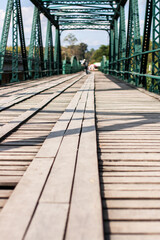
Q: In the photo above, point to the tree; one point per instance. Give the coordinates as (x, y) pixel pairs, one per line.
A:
(82, 48)
(71, 39)
(89, 54)
(98, 54)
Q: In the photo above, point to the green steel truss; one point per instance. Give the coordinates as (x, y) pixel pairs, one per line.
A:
(128, 55)
(15, 42)
(48, 57)
(13, 10)
(35, 57)
(132, 62)
(81, 14)
(155, 45)
(5, 33)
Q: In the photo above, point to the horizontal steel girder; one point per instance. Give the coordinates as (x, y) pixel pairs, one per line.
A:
(85, 27)
(83, 22)
(94, 2)
(81, 14)
(45, 11)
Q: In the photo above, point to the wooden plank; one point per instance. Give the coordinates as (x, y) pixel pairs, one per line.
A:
(54, 139)
(8, 128)
(133, 156)
(59, 184)
(10, 173)
(28, 191)
(32, 92)
(131, 204)
(128, 134)
(131, 194)
(26, 194)
(2, 202)
(49, 222)
(86, 184)
(131, 237)
(131, 180)
(5, 193)
(143, 227)
(133, 187)
(132, 214)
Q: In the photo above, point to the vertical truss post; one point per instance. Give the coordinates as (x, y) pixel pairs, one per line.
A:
(32, 41)
(48, 57)
(133, 41)
(155, 45)
(5, 33)
(22, 40)
(116, 44)
(36, 55)
(122, 40)
(14, 42)
(57, 53)
(36, 47)
(146, 41)
(40, 43)
(111, 50)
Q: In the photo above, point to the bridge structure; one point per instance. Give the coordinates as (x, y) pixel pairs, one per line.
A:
(79, 153)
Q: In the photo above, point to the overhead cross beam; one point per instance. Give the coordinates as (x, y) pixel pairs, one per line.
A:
(45, 11)
(79, 14)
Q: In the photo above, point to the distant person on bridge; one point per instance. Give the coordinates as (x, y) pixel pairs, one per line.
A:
(86, 66)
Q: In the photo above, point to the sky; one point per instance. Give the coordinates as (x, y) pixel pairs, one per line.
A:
(92, 38)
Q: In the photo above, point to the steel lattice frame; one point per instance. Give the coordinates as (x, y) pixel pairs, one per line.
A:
(128, 57)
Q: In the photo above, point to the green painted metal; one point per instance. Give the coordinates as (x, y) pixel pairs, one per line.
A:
(84, 14)
(22, 40)
(104, 65)
(122, 40)
(66, 67)
(57, 53)
(111, 57)
(36, 58)
(74, 64)
(5, 33)
(13, 9)
(146, 41)
(133, 42)
(71, 66)
(127, 58)
(156, 44)
(15, 42)
(48, 57)
(115, 53)
(32, 42)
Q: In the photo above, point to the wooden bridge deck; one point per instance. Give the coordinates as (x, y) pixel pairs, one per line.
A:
(54, 185)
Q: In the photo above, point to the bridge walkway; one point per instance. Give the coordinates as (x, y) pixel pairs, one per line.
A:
(53, 184)
(128, 133)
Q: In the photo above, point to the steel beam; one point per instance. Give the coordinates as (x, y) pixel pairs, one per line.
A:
(14, 42)
(45, 11)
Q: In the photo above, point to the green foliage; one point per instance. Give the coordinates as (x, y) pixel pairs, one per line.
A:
(75, 50)
(82, 48)
(99, 53)
(89, 54)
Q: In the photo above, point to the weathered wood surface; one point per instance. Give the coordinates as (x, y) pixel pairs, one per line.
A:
(128, 127)
(62, 175)
(19, 147)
